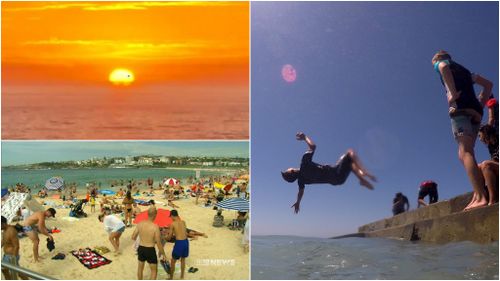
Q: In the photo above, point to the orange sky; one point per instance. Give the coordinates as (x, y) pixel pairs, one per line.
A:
(54, 43)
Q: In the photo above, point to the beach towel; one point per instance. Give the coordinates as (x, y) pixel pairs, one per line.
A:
(12, 205)
(89, 258)
(142, 202)
(101, 250)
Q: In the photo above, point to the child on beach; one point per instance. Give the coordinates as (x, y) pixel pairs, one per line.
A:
(313, 173)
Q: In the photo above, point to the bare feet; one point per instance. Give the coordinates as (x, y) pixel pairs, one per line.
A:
(472, 201)
(204, 235)
(371, 177)
(366, 184)
(477, 204)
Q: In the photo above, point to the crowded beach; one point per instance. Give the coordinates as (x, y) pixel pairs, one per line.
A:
(130, 229)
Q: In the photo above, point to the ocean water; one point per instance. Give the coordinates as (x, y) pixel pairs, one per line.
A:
(104, 176)
(204, 115)
(288, 257)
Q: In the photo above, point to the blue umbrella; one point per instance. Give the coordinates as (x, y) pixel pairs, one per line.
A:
(54, 183)
(107, 192)
(237, 204)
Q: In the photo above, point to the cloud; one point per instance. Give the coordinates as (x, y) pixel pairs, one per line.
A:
(131, 50)
(107, 6)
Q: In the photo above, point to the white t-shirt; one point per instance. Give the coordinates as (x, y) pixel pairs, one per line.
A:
(112, 223)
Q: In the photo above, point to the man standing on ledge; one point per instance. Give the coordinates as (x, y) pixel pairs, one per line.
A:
(313, 173)
(466, 112)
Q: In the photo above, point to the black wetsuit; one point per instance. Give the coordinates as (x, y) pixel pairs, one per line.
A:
(311, 173)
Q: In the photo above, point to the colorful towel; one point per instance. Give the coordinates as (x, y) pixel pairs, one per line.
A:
(89, 258)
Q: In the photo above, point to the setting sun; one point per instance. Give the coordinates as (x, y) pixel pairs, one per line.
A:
(121, 76)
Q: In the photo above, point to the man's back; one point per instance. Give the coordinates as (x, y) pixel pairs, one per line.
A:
(10, 241)
(34, 218)
(147, 232)
(311, 172)
(179, 229)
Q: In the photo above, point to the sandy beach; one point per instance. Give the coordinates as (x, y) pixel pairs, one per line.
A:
(220, 256)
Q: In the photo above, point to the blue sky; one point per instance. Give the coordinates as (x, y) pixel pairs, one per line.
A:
(364, 81)
(22, 152)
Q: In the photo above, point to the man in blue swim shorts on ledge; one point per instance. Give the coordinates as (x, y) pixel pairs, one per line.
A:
(181, 246)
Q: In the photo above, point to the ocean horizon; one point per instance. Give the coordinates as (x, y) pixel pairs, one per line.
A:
(103, 176)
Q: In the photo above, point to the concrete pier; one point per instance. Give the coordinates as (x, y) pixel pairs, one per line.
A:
(441, 222)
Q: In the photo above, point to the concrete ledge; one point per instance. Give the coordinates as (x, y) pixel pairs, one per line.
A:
(437, 210)
(479, 225)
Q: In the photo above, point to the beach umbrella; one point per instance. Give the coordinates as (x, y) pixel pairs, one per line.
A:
(163, 218)
(237, 204)
(228, 187)
(170, 182)
(107, 192)
(54, 183)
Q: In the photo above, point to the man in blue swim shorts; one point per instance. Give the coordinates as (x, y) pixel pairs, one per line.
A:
(181, 246)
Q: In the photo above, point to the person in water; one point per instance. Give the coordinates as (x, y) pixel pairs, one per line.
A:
(466, 112)
(313, 173)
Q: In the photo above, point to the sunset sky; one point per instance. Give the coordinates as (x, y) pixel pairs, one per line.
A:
(180, 53)
(160, 42)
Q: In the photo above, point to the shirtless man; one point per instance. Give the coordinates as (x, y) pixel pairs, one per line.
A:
(313, 173)
(149, 236)
(36, 223)
(181, 246)
(10, 245)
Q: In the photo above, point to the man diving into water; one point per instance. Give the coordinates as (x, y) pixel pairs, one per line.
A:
(312, 173)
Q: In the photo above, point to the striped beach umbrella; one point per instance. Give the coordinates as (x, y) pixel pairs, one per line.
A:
(54, 183)
(170, 182)
(238, 204)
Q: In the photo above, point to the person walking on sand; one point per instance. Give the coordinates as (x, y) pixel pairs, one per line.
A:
(181, 246)
(149, 236)
(466, 112)
(313, 173)
(127, 206)
(35, 224)
(114, 226)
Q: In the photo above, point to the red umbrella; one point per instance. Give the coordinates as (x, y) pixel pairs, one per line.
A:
(163, 218)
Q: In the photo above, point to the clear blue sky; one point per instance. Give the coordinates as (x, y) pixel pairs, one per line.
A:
(364, 81)
(23, 152)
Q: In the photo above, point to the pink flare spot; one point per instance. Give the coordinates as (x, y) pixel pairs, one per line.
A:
(288, 72)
